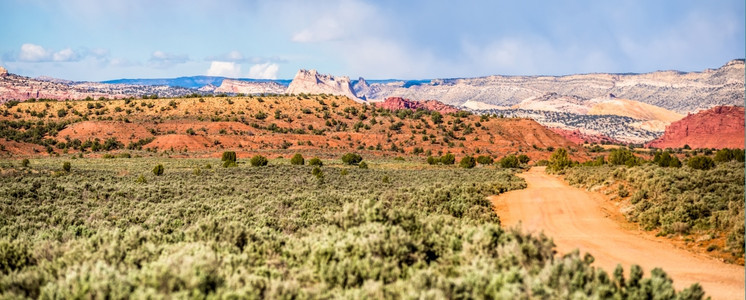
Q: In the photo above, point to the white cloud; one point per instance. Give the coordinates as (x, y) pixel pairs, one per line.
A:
(65, 55)
(160, 59)
(338, 20)
(36, 53)
(225, 69)
(33, 53)
(264, 71)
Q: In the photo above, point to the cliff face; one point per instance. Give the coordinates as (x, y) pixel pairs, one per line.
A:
(3, 71)
(676, 91)
(246, 87)
(719, 127)
(311, 82)
(394, 103)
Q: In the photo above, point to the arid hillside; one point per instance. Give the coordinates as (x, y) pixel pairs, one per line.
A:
(277, 125)
(719, 127)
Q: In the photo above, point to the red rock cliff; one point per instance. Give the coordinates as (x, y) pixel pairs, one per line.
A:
(718, 127)
(394, 103)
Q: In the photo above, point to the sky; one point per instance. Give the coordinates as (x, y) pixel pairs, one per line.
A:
(419, 39)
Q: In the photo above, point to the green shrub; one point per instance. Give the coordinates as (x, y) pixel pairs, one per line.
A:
(448, 159)
(66, 166)
(700, 163)
(523, 158)
(622, 156)
(297, 160)
(485, 160)
(141, 179)
(559, 160)
(158, 170)
(351, 158)
(622, 191)
(432, 160)
(315, 162)
(230, 164)
(25, 163)
(665, 159)
(258, 161)
(316, 172)
(509, 161)
(467, 162)
(363, 165)
(344, 172)
(229, 156)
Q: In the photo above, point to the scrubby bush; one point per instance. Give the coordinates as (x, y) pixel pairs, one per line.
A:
(622, 156)
(258, 161)
(158, 170)
(25, 163)
(66, 166)
(315, 162)
(677, 200)
(448, 159)
(271, 233)
(229, 156)
(523, 158)
(666, 159)
(700, 163)
(485, 160)
(432, 160)
(559, 161)
(363, 165)
(509, 161)
(725, 154)
(468, 162)
(297, 160)
(351, 159)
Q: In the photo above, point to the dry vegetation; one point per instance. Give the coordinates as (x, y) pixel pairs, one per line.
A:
(112, 228)
(273, 125)
(705, 208)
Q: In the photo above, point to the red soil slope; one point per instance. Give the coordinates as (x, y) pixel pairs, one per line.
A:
(394, 103)
(718, 127)
(578, 137)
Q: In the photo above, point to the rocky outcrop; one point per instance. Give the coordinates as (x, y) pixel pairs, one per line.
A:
(676, 91)
(3, 71)
(361, 87)
(15, 87)
(311, 82)
(395, 103)
(208, 88)
(719, 127)
(250, 87)
(578, 137)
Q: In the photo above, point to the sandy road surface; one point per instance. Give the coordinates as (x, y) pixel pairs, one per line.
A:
(575, 220)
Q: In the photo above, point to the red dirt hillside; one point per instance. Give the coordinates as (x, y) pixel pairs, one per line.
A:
(578, 137)
(394, 103)
(718, 127)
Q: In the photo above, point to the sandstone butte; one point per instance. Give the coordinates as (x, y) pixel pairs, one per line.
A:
(394, 103)
(718, 127)
(311, 82)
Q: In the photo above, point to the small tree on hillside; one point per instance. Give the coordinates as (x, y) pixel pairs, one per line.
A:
(509, 162)
(158, 170)
(701, 163)
(448, 159)
(258, 161)
(468, 162)
(297, 159)
(559, 160)
(352, 159)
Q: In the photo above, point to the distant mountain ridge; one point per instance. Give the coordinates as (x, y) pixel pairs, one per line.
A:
(192, 82)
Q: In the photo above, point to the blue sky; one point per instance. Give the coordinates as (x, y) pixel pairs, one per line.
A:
(100, 40)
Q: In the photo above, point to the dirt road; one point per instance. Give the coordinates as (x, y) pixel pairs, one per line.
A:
(575, 220)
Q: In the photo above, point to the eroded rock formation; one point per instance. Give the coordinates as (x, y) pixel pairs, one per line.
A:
(311, 82)
(394, 103)
(718, 127)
